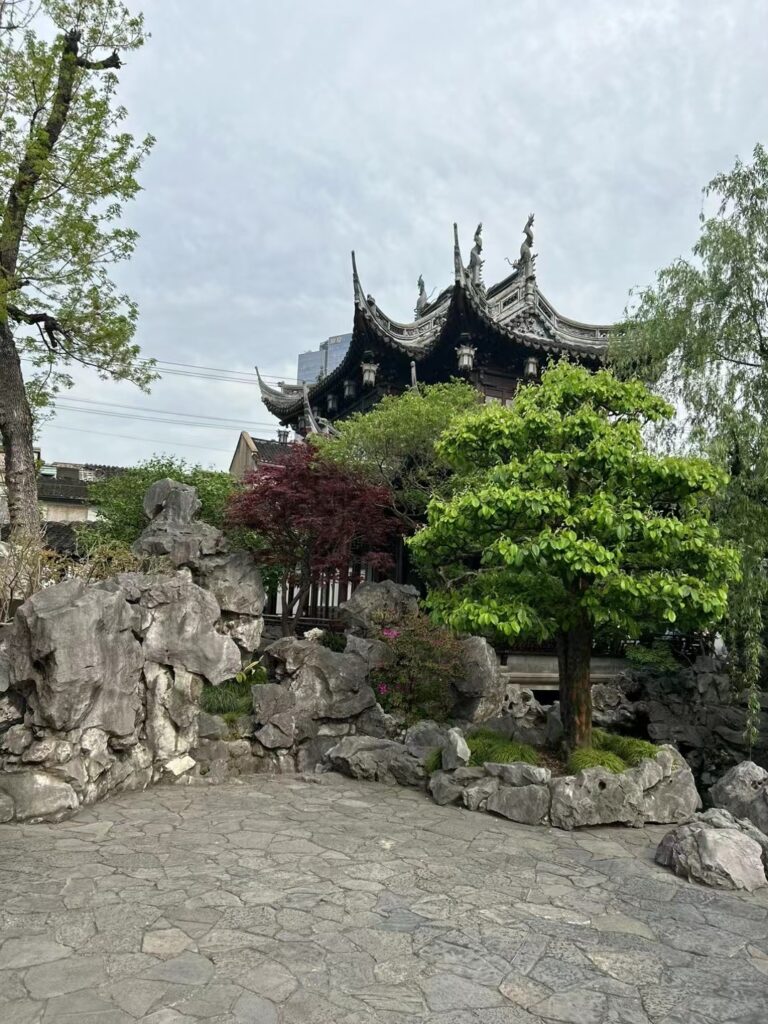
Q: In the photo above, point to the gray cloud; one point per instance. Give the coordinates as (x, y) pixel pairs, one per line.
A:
(290, 134)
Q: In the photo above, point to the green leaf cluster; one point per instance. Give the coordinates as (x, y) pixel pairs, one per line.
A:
(119, 499)
(560, 513)
(394, 444)
(489, 747)
(73, 233)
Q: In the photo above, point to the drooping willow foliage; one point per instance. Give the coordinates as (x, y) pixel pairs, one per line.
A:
(699, 335)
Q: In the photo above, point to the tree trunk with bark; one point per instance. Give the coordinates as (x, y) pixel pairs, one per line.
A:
(574, 655)
(17, 435)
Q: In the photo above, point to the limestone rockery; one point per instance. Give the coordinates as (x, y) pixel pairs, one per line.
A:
(99, 683)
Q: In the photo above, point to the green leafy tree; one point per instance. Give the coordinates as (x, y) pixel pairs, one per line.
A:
(119, 499)
(67, 167)
(699, 335)
(393, 445)
(563, 522)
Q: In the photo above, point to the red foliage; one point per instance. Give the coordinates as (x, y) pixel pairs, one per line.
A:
(313, 520)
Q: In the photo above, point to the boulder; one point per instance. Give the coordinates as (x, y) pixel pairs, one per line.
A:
(38, 796)
(172, 709)
(376, 605)
(325, 684)
(719, 818)
(375, 653)
(378, 760)
(743, 791)
(526, 804)
(480, 692)
(596, 796)
(657, 790)
(235, 582)
(424, 737)
(177, 626)
(726, 858)
(375, 721)
(172, 506)
(476, 794)
(456, 753)
(76, 658)
(448, 787)
(211, 727)
(611, 708)
(519, 773)
(11, 709)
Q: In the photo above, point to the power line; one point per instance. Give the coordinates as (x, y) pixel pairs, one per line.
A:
(151, 440)
(151, 409)
(149, 419)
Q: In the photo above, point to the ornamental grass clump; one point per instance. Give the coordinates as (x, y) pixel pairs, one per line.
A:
(488, 747)
(427, 660)
(233, 697)
(616, 753)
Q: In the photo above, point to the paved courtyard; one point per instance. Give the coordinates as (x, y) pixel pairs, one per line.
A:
(283, 900)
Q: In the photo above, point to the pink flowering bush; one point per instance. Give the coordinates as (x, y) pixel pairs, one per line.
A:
(427, 662)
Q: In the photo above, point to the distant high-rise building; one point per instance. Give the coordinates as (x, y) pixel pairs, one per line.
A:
(319, 362)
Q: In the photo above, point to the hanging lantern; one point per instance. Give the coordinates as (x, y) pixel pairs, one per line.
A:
(349, 389)
(466, 354)
(531, 369)
(369, 374)
(331, 403)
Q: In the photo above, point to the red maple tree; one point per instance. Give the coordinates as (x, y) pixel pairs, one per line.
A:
(314, 522)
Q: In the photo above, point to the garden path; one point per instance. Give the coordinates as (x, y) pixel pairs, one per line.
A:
(340, 902)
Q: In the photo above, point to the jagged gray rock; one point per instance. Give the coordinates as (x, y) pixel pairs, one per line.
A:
(235, 582)
(527, 804)
(376, 605)
(172, 506)
(519, 773)
(456, 752)
(480, 692)
(325, 683)
(424, 737)
(720, 818)
(743, 791)
(37, 796)
(177, 626)
(660, 790)
(448, 787)
(76, 660)
(378, 760)
(724, 857)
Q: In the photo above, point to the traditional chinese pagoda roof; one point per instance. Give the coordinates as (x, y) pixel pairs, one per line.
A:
(513, 311)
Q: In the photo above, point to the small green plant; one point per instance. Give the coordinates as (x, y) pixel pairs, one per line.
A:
(333, 641)
(590, 757)
(427, 660)
(231, 698)
(658, 656)
(433, 762)
(253, 672)
(487, 746)
(630, 749)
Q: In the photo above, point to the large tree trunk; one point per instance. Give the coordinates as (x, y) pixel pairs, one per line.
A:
(574, 654)
(16, 432)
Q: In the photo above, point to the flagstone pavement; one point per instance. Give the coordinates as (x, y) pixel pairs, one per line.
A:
(284, 900)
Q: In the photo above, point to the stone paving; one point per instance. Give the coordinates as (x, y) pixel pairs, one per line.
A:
(333, 902)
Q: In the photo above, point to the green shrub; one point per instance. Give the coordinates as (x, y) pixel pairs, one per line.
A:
(590, 757)
(631, 750)
(487, 746)
(427, 660)
(658, 656)
(231, 698)
(333, 641)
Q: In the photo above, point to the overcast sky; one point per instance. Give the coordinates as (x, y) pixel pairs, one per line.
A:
(289, 134)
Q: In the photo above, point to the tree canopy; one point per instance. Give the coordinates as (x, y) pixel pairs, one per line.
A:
(699, 335)
(68, 166)
(314, 521)
(119, 499)
(562, 521)
(393, 445)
